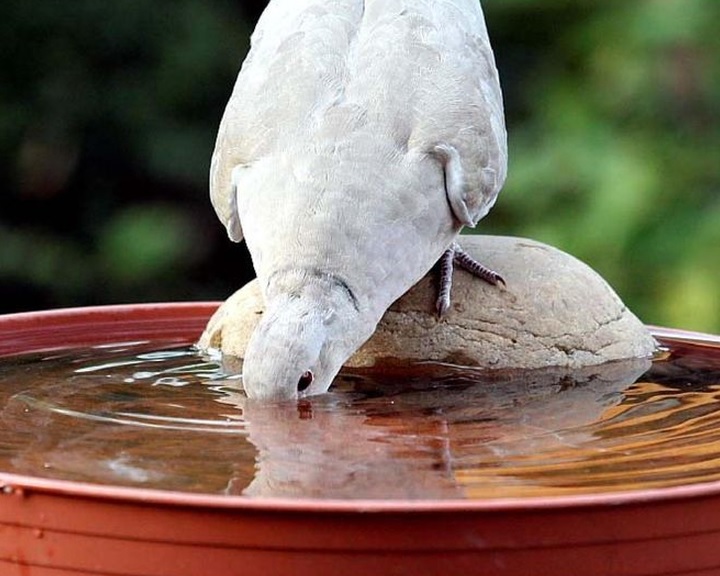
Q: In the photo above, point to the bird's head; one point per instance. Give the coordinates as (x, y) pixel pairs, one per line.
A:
(300, 345)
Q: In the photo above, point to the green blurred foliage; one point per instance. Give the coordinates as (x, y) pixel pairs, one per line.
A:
(614, 137)
(108, 112)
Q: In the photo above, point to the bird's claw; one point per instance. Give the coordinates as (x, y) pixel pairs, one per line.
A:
(455, 254)
(446, 277)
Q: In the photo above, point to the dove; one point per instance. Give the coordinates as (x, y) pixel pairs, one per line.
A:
(360, 137)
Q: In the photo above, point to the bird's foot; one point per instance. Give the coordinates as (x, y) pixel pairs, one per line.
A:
(456, 255)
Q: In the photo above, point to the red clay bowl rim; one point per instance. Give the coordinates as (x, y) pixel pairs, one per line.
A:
(25, 485)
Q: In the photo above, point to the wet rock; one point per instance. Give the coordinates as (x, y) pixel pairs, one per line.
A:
(554, 311)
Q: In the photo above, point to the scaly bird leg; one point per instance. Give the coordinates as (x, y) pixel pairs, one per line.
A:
(455, 254)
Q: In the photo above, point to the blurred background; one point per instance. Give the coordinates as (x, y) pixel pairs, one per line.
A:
(108, 114)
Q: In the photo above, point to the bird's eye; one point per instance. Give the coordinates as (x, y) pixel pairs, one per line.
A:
(305, 380)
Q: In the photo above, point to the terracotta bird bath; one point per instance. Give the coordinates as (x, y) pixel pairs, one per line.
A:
(60, 527)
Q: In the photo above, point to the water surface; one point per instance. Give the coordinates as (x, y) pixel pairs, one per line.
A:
(155, 416)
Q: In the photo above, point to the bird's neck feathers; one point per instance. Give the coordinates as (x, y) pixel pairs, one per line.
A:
(304, 291)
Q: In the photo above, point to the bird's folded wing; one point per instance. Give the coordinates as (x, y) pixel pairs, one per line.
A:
(298, 50)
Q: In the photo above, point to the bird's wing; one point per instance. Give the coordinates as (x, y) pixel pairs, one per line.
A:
(422, 70)
(297, 52)
(458, 107)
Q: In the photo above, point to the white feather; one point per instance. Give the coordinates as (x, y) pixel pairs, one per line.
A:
(368, 133)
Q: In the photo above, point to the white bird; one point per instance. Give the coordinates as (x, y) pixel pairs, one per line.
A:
(360, 137)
